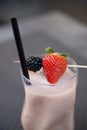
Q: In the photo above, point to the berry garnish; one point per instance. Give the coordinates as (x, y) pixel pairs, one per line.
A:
(54, 65)
(34, 63)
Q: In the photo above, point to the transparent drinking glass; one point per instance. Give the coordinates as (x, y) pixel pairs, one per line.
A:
(50, 107)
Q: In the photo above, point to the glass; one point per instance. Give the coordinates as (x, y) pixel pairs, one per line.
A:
(50, 108)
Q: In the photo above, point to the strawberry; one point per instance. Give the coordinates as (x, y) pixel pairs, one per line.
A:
(54, 65)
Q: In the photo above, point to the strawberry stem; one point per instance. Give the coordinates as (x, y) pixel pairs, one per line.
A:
(49, 50)
(64, 54)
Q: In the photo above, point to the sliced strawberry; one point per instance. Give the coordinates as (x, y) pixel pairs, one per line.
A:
(54, 65)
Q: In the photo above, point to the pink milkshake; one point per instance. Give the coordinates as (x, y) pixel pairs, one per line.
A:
(49, 106)
(49, 92)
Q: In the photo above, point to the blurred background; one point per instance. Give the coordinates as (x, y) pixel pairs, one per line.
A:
(28, 8)
(61, 24)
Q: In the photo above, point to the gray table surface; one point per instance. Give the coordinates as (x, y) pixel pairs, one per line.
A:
(56, 30)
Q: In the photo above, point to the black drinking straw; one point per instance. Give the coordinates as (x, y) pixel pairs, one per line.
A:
(19, 47)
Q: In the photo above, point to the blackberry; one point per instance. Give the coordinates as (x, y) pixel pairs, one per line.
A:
(34, 63)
